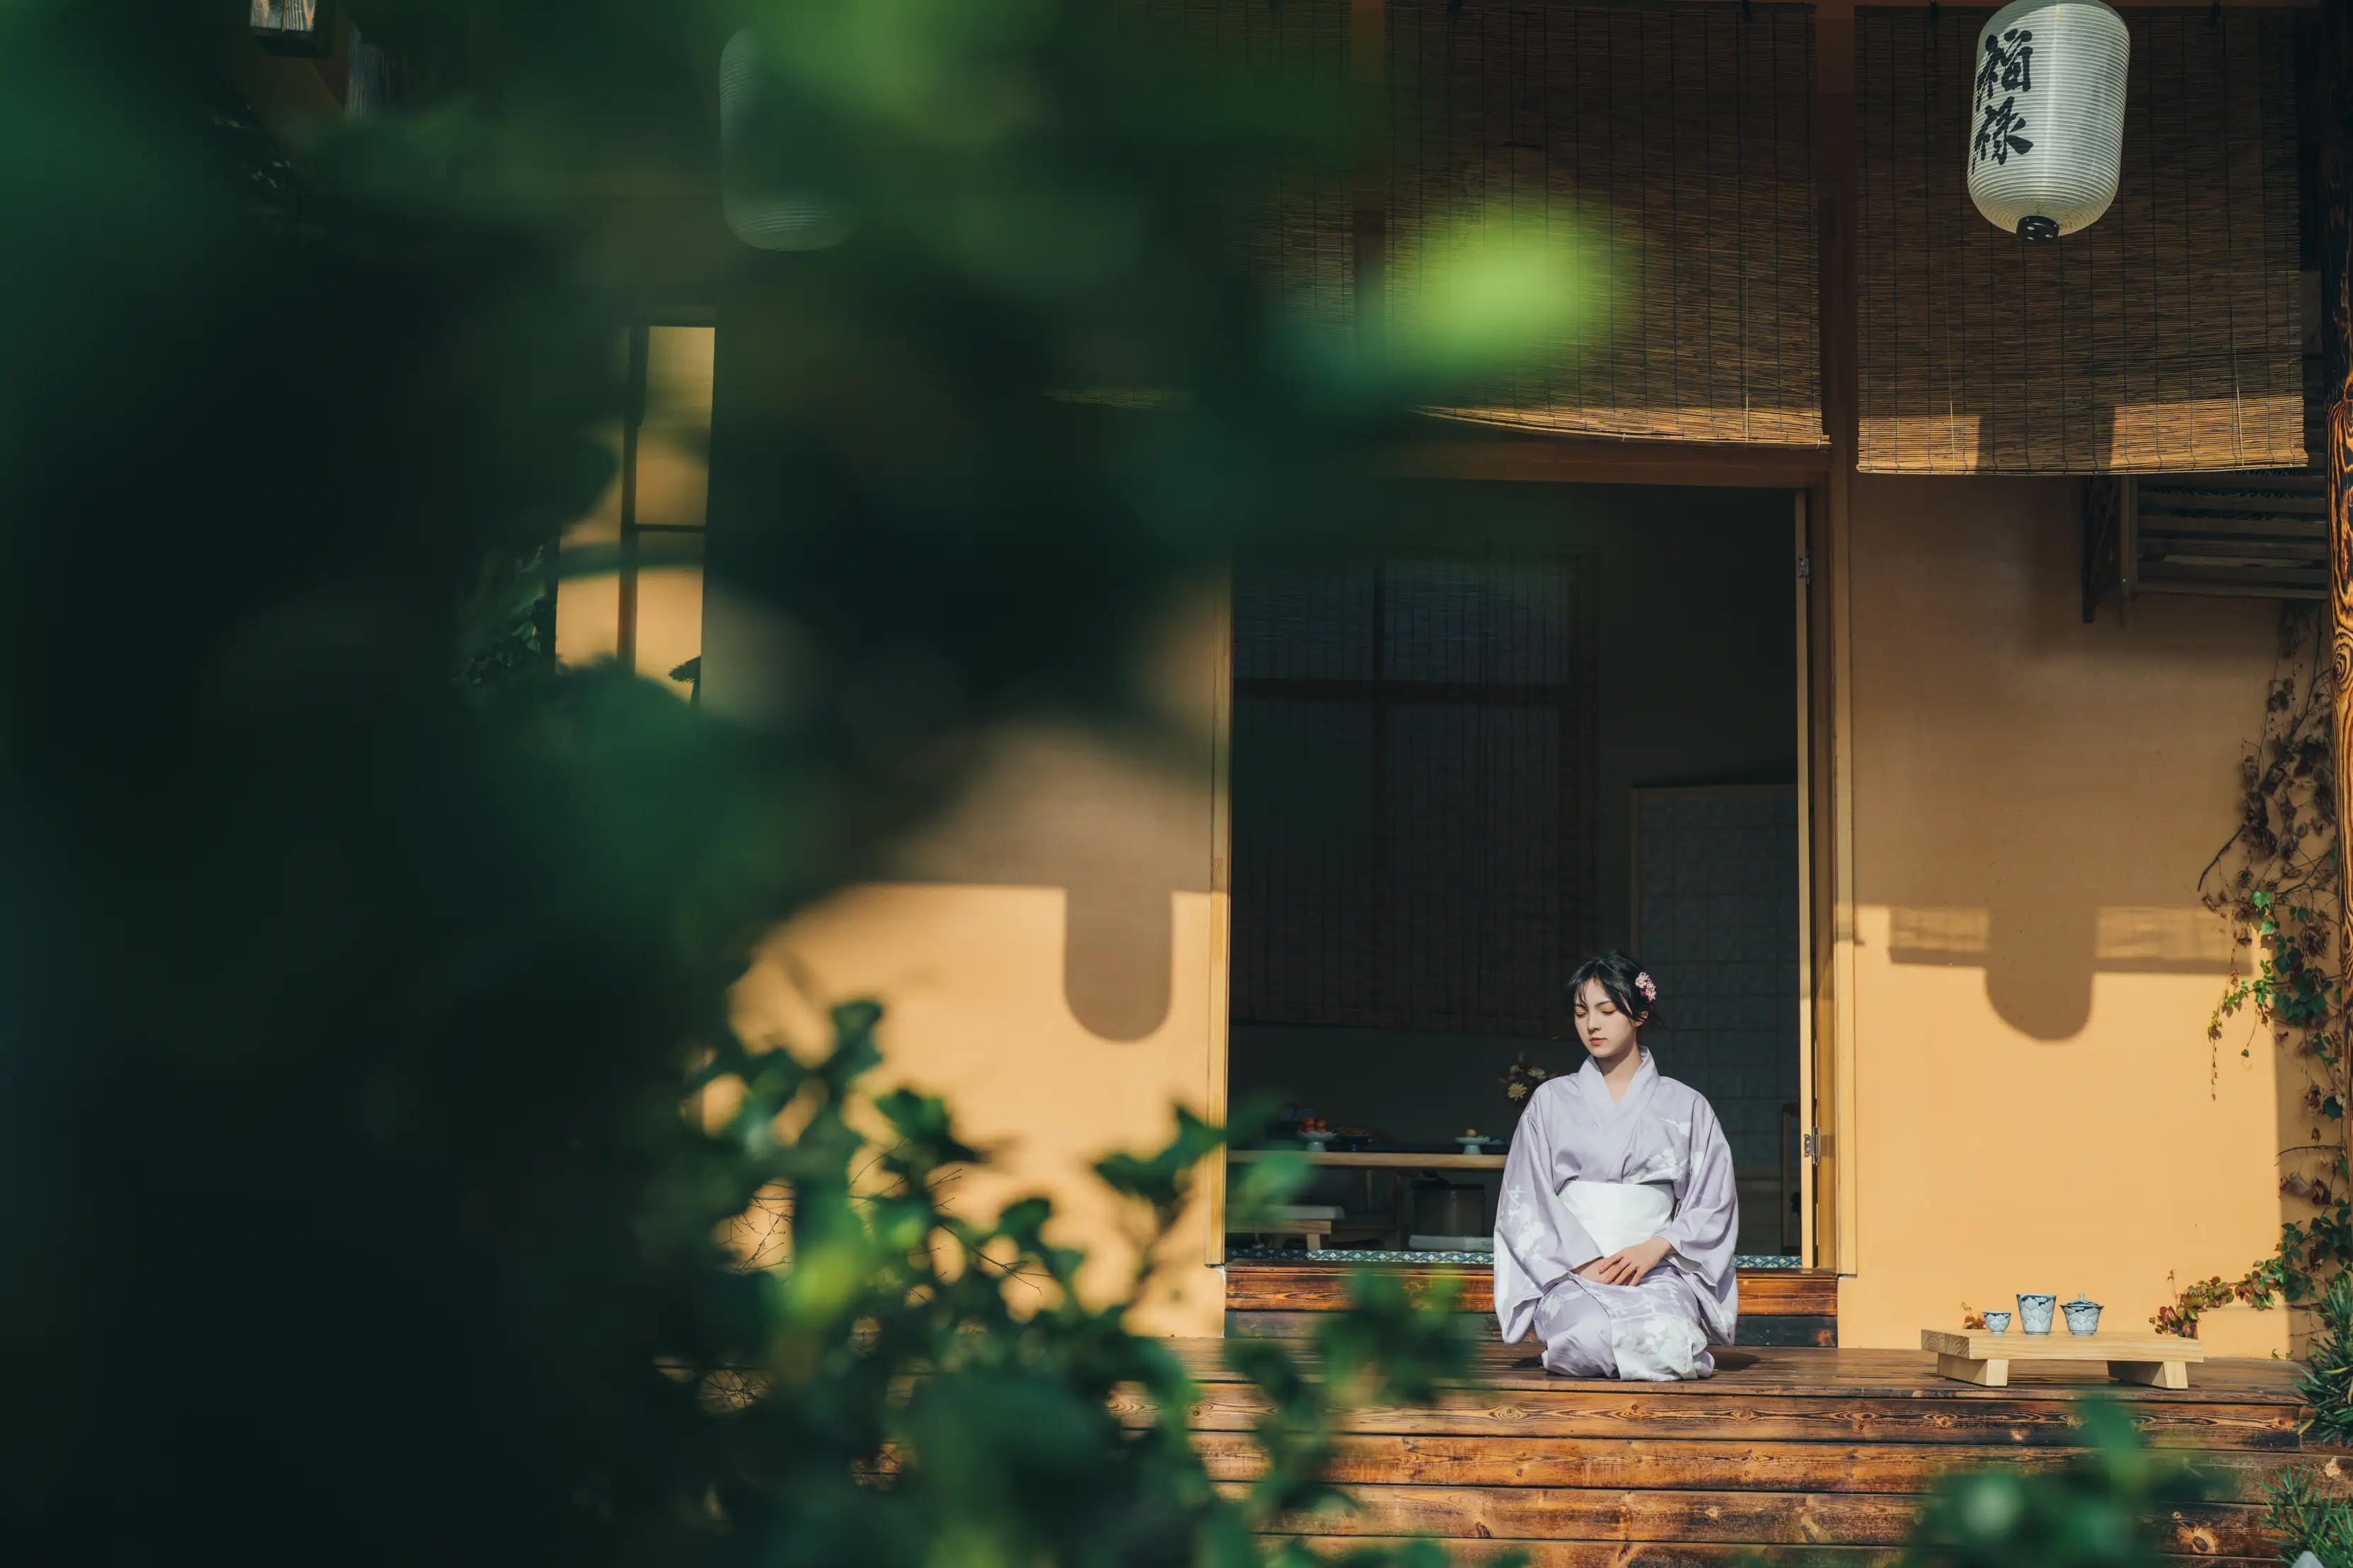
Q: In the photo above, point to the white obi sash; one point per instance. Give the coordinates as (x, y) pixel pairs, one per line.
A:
(1617, 1215)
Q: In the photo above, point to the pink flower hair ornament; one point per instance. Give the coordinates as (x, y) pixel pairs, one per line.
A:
(1647, 986)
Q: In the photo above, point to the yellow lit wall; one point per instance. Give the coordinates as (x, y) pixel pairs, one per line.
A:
(2036, 1104)
(1045, 956)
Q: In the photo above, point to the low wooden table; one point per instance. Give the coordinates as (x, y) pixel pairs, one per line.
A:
(1379, 1159)
(1974, 1355)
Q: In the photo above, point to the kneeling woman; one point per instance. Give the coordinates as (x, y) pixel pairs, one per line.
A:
(1615, 1227)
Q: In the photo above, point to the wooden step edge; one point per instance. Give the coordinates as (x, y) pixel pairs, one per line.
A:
(1253, 1286)
(1773, 1331)
(1625, 1464)
(1709, 1518)
(1626, 1554)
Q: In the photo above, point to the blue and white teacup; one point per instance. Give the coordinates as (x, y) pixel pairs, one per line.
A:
(2034, 1313)
(1997, 1322)
(2083, 1317)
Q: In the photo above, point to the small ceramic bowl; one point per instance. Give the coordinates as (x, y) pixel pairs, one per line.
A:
(2034, 1313)
(1997, 1322)
(2083, 1317)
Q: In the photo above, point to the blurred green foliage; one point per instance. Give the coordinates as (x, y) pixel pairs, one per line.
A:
(1015, 1422)
(347, 1203)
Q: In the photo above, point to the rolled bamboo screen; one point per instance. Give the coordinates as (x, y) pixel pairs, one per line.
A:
(1666, 149)
(1301, 238)
(1672, 147)
(2164, 337)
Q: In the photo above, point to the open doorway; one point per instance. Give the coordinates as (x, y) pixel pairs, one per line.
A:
(1539, 722)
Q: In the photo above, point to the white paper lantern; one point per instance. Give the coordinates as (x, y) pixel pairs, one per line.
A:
(2047, 115)
(764, 219)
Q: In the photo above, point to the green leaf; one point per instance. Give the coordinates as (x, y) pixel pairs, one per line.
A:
(1274, 1177)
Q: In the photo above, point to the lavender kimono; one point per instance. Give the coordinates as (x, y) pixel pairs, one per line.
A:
(1586, 1176)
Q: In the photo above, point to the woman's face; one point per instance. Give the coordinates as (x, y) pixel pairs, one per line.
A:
(1607, 1032)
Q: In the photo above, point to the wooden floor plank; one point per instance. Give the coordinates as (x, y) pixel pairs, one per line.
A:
(1686, 1554)
(1625, 1463)
(1620, 1410)
(1806, 1371)
(1629, 1554)
(1725, 1518)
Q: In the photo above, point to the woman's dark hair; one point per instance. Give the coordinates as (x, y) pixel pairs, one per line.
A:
(1622, 981)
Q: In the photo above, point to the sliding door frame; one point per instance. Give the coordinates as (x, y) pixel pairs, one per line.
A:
(1825, 825)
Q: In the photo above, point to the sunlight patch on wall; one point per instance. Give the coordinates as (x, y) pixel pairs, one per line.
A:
(1937, 935)
(2125, 937)
(2128, 937)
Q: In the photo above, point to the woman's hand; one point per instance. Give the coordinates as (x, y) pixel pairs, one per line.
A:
(1627, 1266)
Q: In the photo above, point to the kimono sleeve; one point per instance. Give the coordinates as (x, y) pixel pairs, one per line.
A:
(1538, 1242)
(1705, 1230)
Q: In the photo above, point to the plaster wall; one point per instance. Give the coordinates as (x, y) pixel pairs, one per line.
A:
(1044, 954)
(972, 976)
(2036, 1105)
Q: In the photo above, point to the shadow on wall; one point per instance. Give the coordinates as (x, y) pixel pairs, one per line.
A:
(2035, 797)
(1121, 836)
(2039, 959)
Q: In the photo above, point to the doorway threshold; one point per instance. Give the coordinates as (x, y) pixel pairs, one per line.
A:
(1781, 1303)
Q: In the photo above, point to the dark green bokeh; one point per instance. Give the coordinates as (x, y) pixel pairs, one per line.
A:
(347, 1208)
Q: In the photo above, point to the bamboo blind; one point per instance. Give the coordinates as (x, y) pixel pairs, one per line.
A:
(2165, 337)
(1672, 146)
(1300, 234)
(1414, 790)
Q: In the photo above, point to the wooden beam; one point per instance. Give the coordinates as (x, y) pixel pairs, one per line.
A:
(1612, 463)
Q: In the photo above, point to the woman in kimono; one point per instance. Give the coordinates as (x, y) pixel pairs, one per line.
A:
(1615, 1226)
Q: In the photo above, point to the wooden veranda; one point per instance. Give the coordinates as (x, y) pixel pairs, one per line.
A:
(1784, 1451)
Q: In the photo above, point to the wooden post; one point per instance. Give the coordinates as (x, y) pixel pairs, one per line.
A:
(1835, 1241)
(2336, 293)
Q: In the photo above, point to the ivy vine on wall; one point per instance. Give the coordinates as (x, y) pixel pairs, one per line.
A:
(2277, 880)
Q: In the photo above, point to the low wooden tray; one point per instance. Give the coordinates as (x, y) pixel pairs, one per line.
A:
(1974, 1355)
